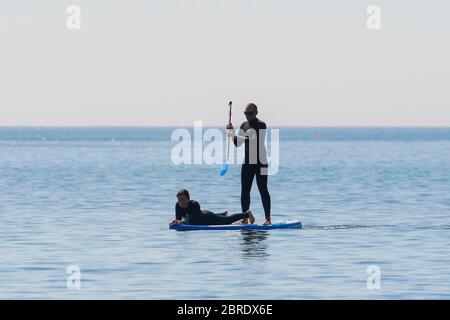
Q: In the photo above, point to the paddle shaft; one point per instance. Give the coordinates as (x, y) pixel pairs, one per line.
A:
(229, 126)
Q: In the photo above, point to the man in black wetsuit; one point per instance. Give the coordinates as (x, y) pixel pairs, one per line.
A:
(188, 211)
(253, 132)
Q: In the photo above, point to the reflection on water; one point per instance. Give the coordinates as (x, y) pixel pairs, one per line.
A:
(253, 244)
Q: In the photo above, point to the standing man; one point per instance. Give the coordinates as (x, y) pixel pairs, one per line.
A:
(253, 132)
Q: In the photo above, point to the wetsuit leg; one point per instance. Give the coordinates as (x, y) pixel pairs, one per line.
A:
(261, 181)
(247, 175)
(217, 214)
(210, 218)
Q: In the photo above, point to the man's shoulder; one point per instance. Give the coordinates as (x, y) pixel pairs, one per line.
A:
(259, 124)
(194, 203)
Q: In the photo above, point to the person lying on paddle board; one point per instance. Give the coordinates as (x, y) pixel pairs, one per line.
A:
(188, 211)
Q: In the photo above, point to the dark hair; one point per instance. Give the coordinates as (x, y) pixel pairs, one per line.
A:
(253, 106)
(183, 192)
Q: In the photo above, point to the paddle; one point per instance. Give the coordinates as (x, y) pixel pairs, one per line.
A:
(229, 126)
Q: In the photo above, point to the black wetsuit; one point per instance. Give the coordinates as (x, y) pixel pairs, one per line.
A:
(194, 215)
(255, 163)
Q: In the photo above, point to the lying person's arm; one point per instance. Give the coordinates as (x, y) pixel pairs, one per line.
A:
(178, 218)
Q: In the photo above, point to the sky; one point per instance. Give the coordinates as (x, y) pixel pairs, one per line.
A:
(171, 62)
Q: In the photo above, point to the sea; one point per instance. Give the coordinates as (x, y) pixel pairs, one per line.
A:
(85, 212)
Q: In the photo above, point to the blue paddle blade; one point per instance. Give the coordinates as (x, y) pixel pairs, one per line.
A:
(224, 169)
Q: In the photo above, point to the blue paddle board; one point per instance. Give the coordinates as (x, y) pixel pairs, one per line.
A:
(292, 224)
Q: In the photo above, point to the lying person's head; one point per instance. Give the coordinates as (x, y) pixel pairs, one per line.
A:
(183, 198)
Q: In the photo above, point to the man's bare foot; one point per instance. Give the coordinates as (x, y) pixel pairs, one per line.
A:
(251, 217)
(267, 222)
(244, 221)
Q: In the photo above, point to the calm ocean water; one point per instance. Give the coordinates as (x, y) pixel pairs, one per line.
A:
(101, 199)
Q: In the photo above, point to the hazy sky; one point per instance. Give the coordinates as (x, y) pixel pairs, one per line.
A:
(170, 62)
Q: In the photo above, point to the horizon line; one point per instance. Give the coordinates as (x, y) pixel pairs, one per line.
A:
(217, 126)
